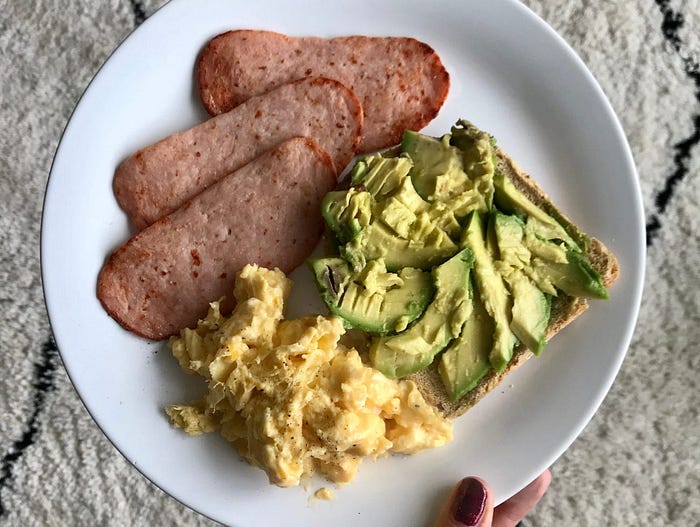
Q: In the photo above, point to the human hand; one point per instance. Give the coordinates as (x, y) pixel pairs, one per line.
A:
(471, 504)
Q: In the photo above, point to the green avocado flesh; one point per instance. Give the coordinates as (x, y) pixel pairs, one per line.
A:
(443, 173)
(373, 300)
(478, 157)
(531, 307)
(437, 172)
(441, 257)
(510, 199)
(531, 310)
(576, 277)
(379, 241)
(346, 212)
(466, 360)
(493, 290)
(380, 175)
(414, 349)
(386, 218)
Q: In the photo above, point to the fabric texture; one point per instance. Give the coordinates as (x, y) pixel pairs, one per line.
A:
(637, 461)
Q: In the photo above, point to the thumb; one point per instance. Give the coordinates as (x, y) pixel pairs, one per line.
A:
(470, 505)
(511, 511)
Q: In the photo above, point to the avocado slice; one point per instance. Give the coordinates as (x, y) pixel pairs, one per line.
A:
(427, 246)
(384, 217)
(531, 307)
(445, 218)
(414, 349)
(576, 277)
(490, 238)
(466, 360)
(347, 212)
(437, 172)
(509, 199)
(493, 290)
(550, 249)
(461, 205)
(531, 312)
(403, 206)
(379, 175)
(507, 233)
(373, 300)
(400, 209)
(478, 157)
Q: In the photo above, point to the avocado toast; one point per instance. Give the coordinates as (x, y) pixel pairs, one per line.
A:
(509, 271)
(564, 308)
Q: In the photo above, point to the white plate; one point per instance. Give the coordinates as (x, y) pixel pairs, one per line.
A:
(511, 75)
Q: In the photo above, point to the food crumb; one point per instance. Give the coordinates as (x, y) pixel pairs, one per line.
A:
(324, 493)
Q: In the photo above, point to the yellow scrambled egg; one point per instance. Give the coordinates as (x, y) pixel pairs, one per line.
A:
(289, 396)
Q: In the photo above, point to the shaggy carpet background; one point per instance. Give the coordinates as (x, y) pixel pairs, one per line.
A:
(637, 461)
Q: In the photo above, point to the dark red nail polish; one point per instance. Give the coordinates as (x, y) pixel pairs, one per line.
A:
(470, 501)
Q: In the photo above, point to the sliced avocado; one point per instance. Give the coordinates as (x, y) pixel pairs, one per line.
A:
(531, 307)
(373, 300)
(531, 311)
(379, 175)
(401, 227)
(509, 199)
(546, 231)
(490, 238)
(509, 234)
(469, 200)
(493, 291)
(478, 157)
(548, 249)
(406, 195)
(414, 349)
(466, 360)
(427, 246)
(444, 217)
(396, 216)
(399, 209)
(555, 265)
(575, 278)
(437, 166)
(346, 212)
(438, 175)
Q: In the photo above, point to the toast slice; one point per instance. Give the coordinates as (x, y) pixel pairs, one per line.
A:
(564, 308)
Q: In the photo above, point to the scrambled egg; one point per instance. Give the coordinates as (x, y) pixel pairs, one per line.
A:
(324, 493)
(289, 397)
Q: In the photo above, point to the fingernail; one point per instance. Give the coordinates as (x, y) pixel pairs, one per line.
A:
(470, 500)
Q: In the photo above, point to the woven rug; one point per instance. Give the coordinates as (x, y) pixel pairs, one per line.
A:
(636, 463)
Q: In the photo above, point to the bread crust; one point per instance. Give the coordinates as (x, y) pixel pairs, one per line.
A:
(565, 309)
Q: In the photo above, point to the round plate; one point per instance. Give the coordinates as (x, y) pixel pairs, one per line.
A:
(511, 75)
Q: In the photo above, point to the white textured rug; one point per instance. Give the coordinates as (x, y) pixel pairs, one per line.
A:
(637, 462)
